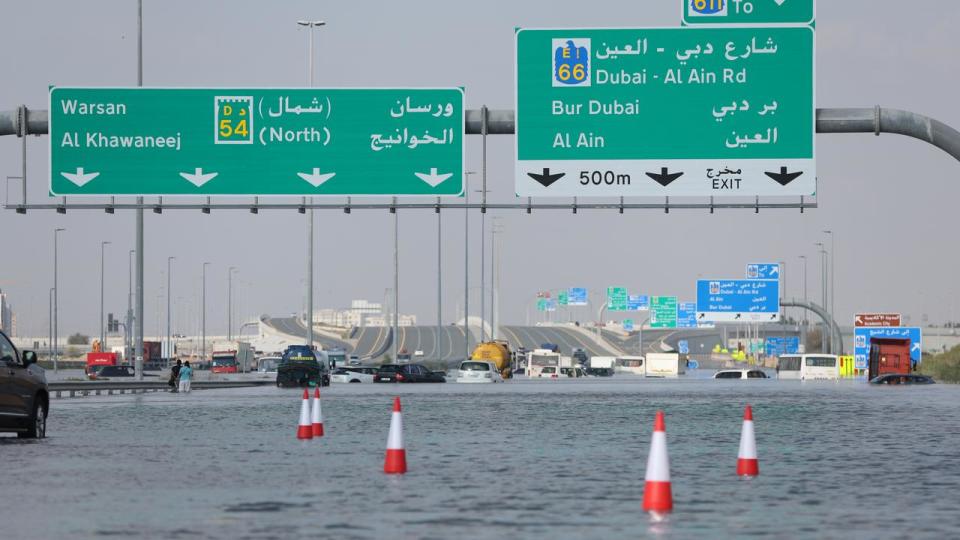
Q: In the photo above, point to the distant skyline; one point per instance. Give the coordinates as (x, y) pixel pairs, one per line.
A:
(890, 200)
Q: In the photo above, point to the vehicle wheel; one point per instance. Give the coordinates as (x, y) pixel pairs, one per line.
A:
(38, 423)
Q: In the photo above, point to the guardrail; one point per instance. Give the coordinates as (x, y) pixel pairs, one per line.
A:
(86, 388)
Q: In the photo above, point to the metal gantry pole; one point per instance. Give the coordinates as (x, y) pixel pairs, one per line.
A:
(437, 342)
(833, 290)
(50, 324)
(169, 318)
(103, 335)
(396, 280)
(56, 301)
(138, 335)
(483, 215)
(230, 272)
(493, 281)
(203, 313)
(466, 265)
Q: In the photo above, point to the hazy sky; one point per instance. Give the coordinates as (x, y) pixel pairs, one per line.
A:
(891, 200)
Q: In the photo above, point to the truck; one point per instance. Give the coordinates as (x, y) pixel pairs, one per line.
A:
(889, 356)
(498, 352)
(152, 359)
(665, 365)
(602, 366)
(224, 362)
(95, 359)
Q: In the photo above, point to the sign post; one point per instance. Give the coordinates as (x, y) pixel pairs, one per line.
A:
(877, 319)
(738, 300)
(748, 12)
(862, 336)
(665, 112)
(237, 141)
(663, 312)
(616, 299)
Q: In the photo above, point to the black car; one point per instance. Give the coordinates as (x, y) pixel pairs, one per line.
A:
(901, 378)
(24, 399)
(110, 372)
(299, 367)
(411, 373)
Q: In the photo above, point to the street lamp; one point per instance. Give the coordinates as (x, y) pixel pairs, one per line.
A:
(466, 264)
(128, 327)
(804, 259)
(230, 272)
(833, 266)
(203, 313)
(823, 296)
(310, 25)
(169, 292)
(103, 334)
(56, 300)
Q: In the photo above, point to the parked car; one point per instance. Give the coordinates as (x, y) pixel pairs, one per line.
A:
(111, 372)
(267, 367)
(410, 373)
(351, 375)
(572, 372)
(24, 398)
(740, 374)
(473, 371)
(901, 378)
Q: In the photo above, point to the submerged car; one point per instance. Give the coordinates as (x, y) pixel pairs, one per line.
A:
(299, 367)
(901, 378)
(473, 371)
(740, 374)
(267, 367)
(408, 373)
(353, 375)
(24, 398)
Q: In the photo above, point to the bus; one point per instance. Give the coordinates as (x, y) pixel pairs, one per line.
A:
(543, 358)
(808, 367)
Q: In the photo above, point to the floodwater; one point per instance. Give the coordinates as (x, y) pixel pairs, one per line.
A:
(526, 459)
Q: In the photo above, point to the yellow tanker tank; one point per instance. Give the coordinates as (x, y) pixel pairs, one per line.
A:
(497, 352)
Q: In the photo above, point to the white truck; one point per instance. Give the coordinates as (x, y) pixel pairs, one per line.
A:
(665, 365)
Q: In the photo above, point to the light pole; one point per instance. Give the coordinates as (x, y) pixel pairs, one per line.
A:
(833, 290)
(230, 302)
(50, 324)
(396, 279)
(494, 230)
(466, 264)
(823, 296)
(436, 345)
(56, 300)
(203, 313)
(169, 292)
(310, 25)
(103, 334)
(128, 327)
(483, 279)
(805, 299)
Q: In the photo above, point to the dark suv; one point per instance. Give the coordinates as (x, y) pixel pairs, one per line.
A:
(24, 400)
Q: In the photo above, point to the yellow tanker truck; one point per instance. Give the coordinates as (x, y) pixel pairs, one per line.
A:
(497, 352)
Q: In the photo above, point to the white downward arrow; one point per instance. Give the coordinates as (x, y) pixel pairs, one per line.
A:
(434, 179)
(316, 178)
(779, 2)
(80, 178)
(198, 178)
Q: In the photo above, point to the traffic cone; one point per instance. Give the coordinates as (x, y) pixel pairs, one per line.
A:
(657, 497)
(747, 464)
(396, 462)
(304, 430)
(317, 415)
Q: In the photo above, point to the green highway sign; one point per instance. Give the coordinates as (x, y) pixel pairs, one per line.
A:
(663, 312)
(696, 111)
(237, 141)
(748, 11)
(616, 298)
(563, 297)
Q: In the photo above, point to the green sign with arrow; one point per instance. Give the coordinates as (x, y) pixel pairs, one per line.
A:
(748, 11)
(663, 312)
(241, 141)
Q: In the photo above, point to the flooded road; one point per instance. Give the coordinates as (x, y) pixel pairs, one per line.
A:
(526, 459)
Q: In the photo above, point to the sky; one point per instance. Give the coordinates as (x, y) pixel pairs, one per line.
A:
(890, 200)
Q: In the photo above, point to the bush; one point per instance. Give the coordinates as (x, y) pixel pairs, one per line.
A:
(78, 339)
(943, 367)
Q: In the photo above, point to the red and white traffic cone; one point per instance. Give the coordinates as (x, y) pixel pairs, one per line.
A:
(317, 414)
(657, 496)
(305, 430)
(747, 464)
(396, 462)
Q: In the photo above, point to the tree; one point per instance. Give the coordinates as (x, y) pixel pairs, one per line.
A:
(78, 339)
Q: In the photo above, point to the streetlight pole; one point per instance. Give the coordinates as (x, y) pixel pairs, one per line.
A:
(396, 280)
(436, 345)
(203, 314)
(310, 25)
(50, 346)
(169, 292)
(483, 290)
(230, 302)
(56, 300)
(138, 335)
(823, 296)
(833, 290)
(103, 334)
(804, 259)
(493, 277)
(128, 327)
(466, 264)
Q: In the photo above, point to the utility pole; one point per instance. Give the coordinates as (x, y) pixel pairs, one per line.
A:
(823, 284)
(169, 292)
(103, 334)
(833, 290)
(128, 327)
(56, 300)
(203, 314)
(309, 318)
(230, 272)
(396, 281)
(466, 265)
(138, 335)
(436, 346)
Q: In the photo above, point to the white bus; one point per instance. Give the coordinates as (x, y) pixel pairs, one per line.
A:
(543, 358)
(808, 367)
(634, 365)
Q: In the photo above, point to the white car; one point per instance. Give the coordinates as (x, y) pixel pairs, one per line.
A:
(267, 367)
(472, 371)
(740, 374)
(352, 374)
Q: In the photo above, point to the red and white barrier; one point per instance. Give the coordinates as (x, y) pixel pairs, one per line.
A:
(396, 461)
(747, 464)
(316, 416)
(305, 430)
(657, 495)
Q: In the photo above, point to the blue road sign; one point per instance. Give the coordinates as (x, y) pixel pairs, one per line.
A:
(763, 271)
(683, 345)
(687, 315)
(693, 364)
(628, 325)
(638, 302)
(778, 345)
(863, 335)
(735, 300)
(577, 297)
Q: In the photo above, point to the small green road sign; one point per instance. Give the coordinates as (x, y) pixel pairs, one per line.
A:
(616, 299)
(563, 298)
(748, 11)
(663, 312)
(697, 111)
(302, 141)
